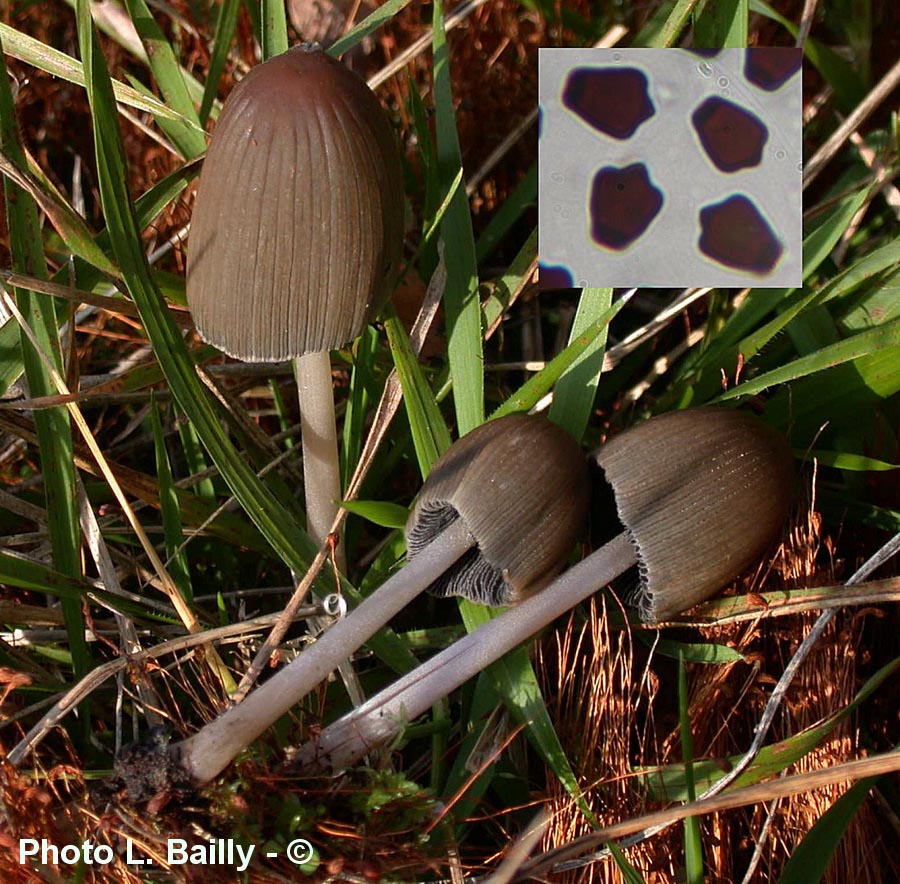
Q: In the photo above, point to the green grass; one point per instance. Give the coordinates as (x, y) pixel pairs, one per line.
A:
(219, 499)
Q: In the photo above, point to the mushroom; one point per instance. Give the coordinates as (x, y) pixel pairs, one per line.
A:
(494, 522)
(701, 493)
(296, 233)
(524, 520)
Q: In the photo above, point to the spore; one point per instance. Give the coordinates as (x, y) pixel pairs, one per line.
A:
(770, 67)
(732, 137)
(554, 276)
(623, 204)
(734, 233)
(615, 101)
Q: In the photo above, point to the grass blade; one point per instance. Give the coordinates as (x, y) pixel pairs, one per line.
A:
(819, 243)
(186, 135)
(461, 304)
(53, 429)
(670, 784)
(691, 652)
(426, 254)
(176, 557)
(379, 512)
(431, 438)
(844, 460)
(58, 64)
(513, 679)
(693, 844)
(225, 27)
(273, 38)
(68, 223)
(527, 396)
(865, 268)
(17, 570)
(859, 346)
(573, 397)
(811, 857)
(675, 23)
(630, 875)
(721, 25)
(362, 381)
(473, 770)
(384, 13)
(510, 283)
(523, 196)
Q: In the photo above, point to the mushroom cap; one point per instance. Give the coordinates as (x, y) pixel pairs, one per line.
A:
(701, 494)
(298, 221)
(521, 486)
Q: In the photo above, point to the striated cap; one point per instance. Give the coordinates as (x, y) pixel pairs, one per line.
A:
(701, 493)
(520, 484)
(298, 221)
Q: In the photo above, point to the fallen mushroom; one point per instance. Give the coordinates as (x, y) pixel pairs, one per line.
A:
(511, 498)
(520, 485)
(701, 493)
(296, 231)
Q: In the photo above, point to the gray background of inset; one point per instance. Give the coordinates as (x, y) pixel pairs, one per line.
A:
(570, 152)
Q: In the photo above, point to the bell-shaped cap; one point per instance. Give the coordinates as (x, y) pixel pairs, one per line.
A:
(520, 485)
(298, 222)
(701, 493)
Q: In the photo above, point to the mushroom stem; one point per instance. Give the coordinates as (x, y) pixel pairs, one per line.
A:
(213, 747)
(321, 468)
(385, 715)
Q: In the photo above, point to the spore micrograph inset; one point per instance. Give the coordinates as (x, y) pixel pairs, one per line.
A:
(770, 67)
(636, 143)
(623, 204)
(734, 233)
(614, 101)
(732, 136)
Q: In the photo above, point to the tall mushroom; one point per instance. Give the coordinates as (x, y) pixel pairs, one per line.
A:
(296, 233)
(700, 493)
(494, 522)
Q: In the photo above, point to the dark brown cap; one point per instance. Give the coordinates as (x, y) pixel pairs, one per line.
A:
(298, 223)
(520, 485)
(701, 493)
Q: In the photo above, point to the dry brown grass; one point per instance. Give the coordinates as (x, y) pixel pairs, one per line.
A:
(616, 715)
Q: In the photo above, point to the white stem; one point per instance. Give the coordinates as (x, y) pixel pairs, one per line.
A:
(213, 747)
(385, 715)
(321, 467)
(321, 472)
